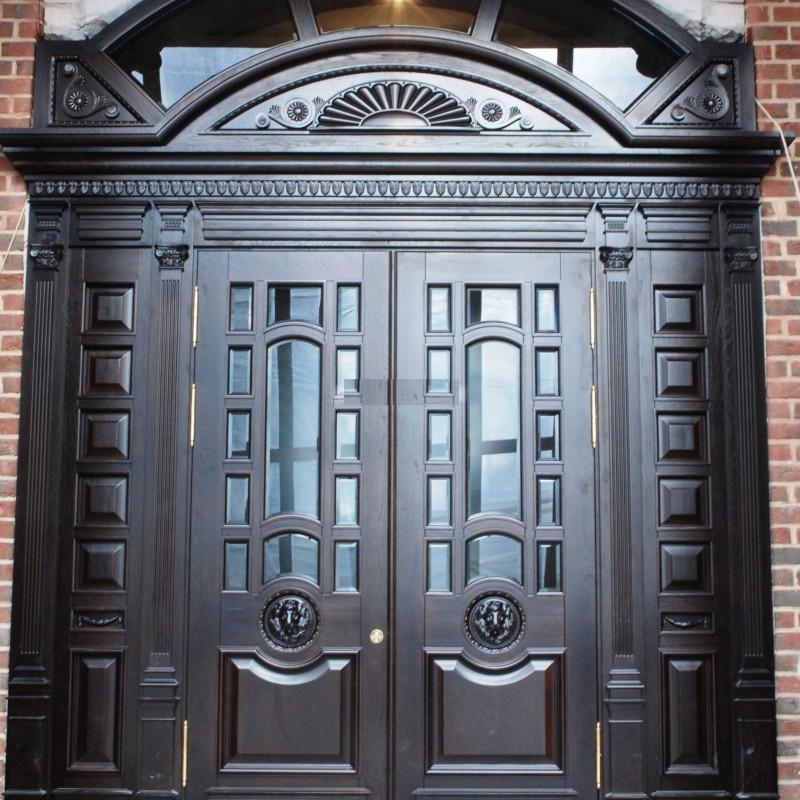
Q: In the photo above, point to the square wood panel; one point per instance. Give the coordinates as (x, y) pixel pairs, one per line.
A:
(105, 435)
(99, 566)
(685, 567)
(108, 309)
(679, 311)
(107, 372)
(680, 373)
(683, 502)
(102, 500)
(682, 437)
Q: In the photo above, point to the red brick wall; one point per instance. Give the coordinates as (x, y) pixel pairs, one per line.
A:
(20, 26)
(774, 29)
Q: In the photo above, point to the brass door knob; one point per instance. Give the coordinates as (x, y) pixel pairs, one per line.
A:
(376, 636)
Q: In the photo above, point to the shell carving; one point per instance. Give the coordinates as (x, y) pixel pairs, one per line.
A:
(395, 104)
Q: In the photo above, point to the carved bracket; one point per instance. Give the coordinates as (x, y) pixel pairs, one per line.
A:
(172, 256)
(616, 258)
(708, 98)
(46, 256)
(81, 97)
(741, 259)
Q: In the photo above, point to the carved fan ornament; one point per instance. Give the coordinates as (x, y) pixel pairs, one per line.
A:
(494, 622)
(290, 621)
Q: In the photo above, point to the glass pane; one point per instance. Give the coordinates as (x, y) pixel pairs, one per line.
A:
(438, 371)
(591, 39)
(182, 49)
(439, 309)
(438, 501)
(547, 377)
(439, 436)
(438, 566)
(238, 434)
(547, 309)
(548, 504)
(347, 424)
(237, 500)
(348, 309)
(235, 567)
(488, 304)
(494, 556)
(336, 15)
(293, 408)
(291, 554)
(295, 304)
(549, 567)
(241, 308)
(493, 425)
(239, 361)
(347, 501)
(548, 436)
(348, 370)
(346, 577)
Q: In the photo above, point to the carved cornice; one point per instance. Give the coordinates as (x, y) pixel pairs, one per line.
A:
(741, 259)
(616, 258)
(172, 256)
(476, 188)
(46, 256)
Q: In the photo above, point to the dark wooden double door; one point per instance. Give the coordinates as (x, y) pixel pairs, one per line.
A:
(393, 572)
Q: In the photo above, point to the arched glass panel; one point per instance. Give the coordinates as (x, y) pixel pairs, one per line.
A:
(198, 39)
(293, 409)
(337, 15)
(493, 429)
(494, 556)
(590, 39)
(291, 554)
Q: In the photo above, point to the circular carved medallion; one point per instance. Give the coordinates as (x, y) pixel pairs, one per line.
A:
(494, 622)
(290, 621)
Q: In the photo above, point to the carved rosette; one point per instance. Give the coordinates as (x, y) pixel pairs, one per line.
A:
(741, 259)
(290, 621)
(616, 258)
(81, 101)
(494, 622)
(711, 103)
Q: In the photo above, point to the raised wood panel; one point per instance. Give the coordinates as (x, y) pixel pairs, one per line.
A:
(680, 374)
(682, 438)
(99, 566)
(685, 568)
(98, 223)
(288, 720)
(107, 372)
(488, 720)
(688, 718)
(102, 500)
(104, 435)
(108, 309)
(94, 742)
(668, 225)
(683, 502)
(679, 311)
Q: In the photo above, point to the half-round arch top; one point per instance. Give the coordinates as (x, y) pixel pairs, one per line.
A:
(619, 48)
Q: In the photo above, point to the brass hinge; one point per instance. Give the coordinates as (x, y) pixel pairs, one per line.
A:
(195, 307)
(185, 754)
(594, 417)
(598, 739)
(192, 414)
(592, 319)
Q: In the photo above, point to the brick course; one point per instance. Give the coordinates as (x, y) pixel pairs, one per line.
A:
(20, 26)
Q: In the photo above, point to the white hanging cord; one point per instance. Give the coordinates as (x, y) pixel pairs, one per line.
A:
(785, 147)
(14, 235)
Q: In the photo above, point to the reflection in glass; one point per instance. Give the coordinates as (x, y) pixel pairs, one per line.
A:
(547, 309)
(348, 370)
(493, 429)
(439, 436)
(547, 377)
(490, 304)
(439, 309)
(237, 500)
(438, 370)
(291, 554)
(347, 435)
(592, 40)
(241, 309)
(548, 503)
(494, 556)
(293, 409)
(348, 309)
(295, 304)
(239, 361)
(438, 501)
(238, 434)
(548, 436)
(336, 15)
(438, 566)
(347, 501)
(548, 570)
(185, 47)
(346, 567)
(235, 567)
